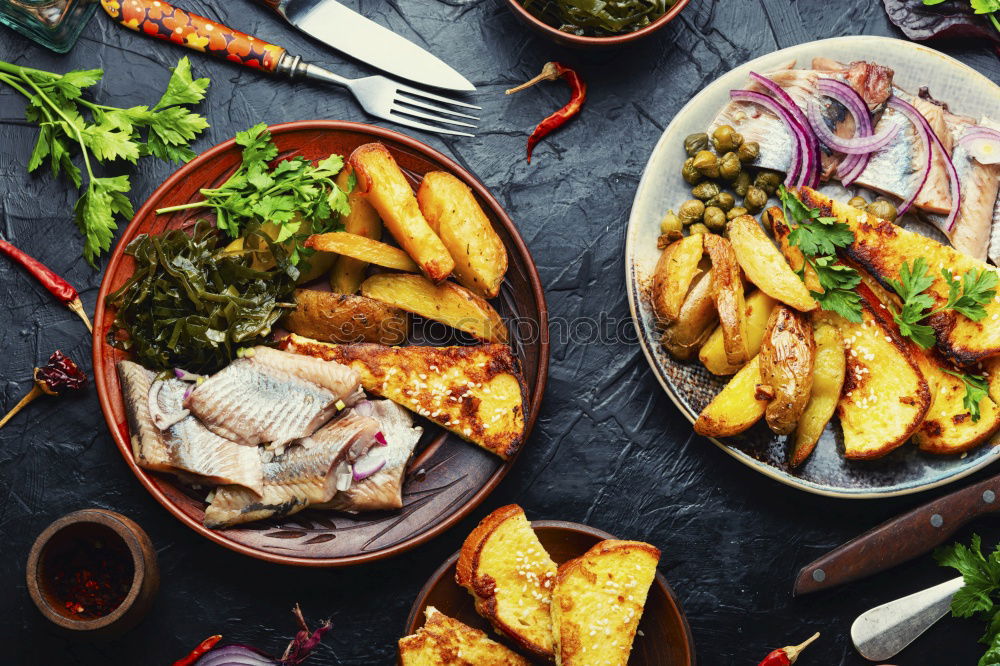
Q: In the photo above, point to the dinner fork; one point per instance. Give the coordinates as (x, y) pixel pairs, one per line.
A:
(380, 96)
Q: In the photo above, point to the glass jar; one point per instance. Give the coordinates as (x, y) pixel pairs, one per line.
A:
(52, 23)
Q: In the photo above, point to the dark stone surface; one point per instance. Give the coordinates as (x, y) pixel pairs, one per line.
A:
(610, 449)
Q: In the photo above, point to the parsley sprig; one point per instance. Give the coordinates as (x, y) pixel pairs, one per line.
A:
(69, 124)
(292, 191)
(976, 389)
(819, 237)
(981, 593)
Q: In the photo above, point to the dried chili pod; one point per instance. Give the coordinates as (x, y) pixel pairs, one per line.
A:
(787, 655)
(550, 72)
(57, 376)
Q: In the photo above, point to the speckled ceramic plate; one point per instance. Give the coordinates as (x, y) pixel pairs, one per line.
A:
(689, 385)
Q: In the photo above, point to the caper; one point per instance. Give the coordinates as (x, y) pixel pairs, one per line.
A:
(698, 228)
(725, 139)
(691, 211)
(705, 191)
(768, 181)
(729, 166)
(742, 183)
(691, 175)
(715, 218)
(755, 200)
(857, 202)
(735, 212)
(670, 222)
(748, 151)
(723, 200)
(706, 163)
(883, 209)
(695, 142)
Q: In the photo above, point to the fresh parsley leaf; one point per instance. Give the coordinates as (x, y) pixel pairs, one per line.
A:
(976, 389)
(821, 239)
(913, 282)
(982, 576)
(182, 88)
(985, 6)
(977, 287)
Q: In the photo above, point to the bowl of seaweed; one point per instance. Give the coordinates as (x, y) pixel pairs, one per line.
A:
(596, 23)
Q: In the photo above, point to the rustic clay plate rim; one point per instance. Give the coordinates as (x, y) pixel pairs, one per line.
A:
(631, 281)
(148, 480)
(415, 619)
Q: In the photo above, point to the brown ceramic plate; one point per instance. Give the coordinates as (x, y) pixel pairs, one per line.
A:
(665, 639)
(568, 39)
(447, 477)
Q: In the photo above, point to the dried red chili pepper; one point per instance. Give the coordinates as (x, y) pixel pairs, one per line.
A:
(787, 655)
(550, 72)
(199, 651)
(57, 286)
(58, 375)
(305, 641)
(90, 576)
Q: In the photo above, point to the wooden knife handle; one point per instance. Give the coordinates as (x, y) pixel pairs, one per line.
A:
(159, 19)
(900, 539)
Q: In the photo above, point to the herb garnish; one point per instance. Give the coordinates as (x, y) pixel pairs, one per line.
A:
(286, 195)
(819, 237)
(56, 104)
(981, 591)
(990, 8)
(976, 389)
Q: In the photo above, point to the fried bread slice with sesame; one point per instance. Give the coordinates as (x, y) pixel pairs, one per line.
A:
(506, 569)
(598, 600)
(477, 392)
(446, 641)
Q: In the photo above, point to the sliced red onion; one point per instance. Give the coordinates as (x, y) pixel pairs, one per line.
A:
(930, 137)
(186, 376)
(380, 438)
(983, 143)
(364, 408)
(234, 655)
(860, 145)
(368, 465)
(795, 167)
(811, 167)
(853, 165)
(343, 476)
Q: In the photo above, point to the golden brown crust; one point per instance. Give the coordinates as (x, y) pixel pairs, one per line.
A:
(444, 641)
(727, 292)
(345, 318)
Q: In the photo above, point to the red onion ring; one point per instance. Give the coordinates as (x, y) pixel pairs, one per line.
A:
(859, 145)
(854, 165)
(234, 655)
(811, 171)
(795, 167)
(984, 134)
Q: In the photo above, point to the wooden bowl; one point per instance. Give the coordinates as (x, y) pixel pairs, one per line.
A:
(578, 41)
(447, 478)
(83, 526)
(665, 639)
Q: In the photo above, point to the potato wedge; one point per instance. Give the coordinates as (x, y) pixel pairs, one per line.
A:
(345, 318)
(948, 427)
(457, 218)
(727, 292)
(765, 266)
(694, 323)
(829, 366)
(786, 365)
(447, 303)
(713, 353)
(387, 190)
(676, 268)
(774, 217)
(347, 273)
(364, 249)
(736, 407)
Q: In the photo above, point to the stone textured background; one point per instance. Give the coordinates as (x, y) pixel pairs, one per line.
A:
(610, 449)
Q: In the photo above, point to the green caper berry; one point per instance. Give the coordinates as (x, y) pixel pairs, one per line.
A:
(723, 200)
(707, 164)
(698, 228)
(715, 218)
(748, 152)
(695, 142)
(729, 166)
(857, 202)
(735, 212)
(691, 211)
(883, 209)
(768, 181)
(670, 222)
(705, 191)
(742, 183)
(726, 139)
(691, 175)
(755, 200)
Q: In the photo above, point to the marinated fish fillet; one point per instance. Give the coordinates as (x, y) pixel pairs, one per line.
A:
(273, 397)
(980, 184)
(383, 489)
(184, 446)
(310, 471)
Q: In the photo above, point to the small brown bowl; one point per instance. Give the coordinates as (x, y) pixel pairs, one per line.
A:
(665, 638)
(578, 41)
(87, 528)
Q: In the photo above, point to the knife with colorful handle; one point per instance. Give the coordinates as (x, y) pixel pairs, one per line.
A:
(900, 539)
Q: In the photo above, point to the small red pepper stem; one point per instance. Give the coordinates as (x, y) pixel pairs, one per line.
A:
(550, 72)
(199, 651)
(35, 392)
(787, 655)
(57, 286)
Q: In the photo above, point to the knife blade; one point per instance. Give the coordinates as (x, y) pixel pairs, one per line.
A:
(899, 539)
(359, 37)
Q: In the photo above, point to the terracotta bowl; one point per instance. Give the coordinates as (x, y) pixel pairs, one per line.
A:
(75, 531)
(447, 477)
(577, 41)
(665, 638)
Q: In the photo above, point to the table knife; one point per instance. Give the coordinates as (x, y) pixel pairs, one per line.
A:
(349, 32)
(900, 539)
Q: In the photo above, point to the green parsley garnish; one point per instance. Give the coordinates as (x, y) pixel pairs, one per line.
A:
(69, 124)
(976, 389)
(293, 191)
(981, 592)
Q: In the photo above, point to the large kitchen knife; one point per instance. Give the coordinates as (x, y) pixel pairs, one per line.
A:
(349, 32)
(900, 539)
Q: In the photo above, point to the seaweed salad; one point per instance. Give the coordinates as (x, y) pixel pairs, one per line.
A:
(598, 18)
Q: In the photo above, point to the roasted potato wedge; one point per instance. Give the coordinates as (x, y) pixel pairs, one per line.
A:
(447, 303)
(736, 407)
(347, 273)
(364, 249)
(764, 265)
(694, 323)
(727, 292)
(774, 218)
(345, 318)
(676, 268)
(786, 365)
(948, 427)
(829, 366)
(457, 218)
(385, 187)
(713, 353)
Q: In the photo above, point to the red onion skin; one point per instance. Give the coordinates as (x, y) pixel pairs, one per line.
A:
(798, 136)
(810, 173)
(854, 146)
(235, 655)
(853, 166)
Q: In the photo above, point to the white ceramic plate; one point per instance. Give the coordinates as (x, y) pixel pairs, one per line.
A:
(689, 385)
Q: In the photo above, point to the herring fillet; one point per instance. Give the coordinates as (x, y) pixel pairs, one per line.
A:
(306, 473)
(272, 397)
(186, 448)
